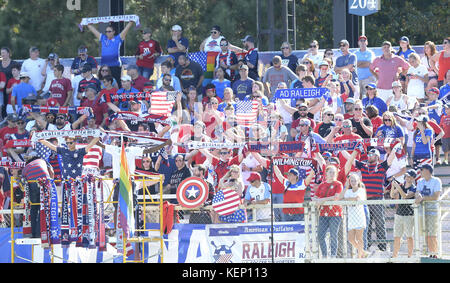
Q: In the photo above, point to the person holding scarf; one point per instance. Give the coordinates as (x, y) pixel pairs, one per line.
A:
(372, 99)
(227, 60)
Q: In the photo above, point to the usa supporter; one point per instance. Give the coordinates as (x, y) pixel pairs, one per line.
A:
(347, 136)
(92, 160)
(17, 153)
(258, 193)
(373, 174)
(88, 79)
(82, 59)
(361, 124)
(421, 150)
(445, 125)
(61, 88)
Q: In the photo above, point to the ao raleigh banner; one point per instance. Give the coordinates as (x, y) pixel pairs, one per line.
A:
(194, 243)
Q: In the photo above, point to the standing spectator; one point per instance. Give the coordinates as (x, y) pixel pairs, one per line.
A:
(88, 79)
(178, 44)
(126, 88)
(443, 59)
(385, 68)
(227, 60)
(34, 67)
(212, 43)
(276, 74)
(251, 58)
(7, 62)
(365, 57)
(404, 215)
(108, 91)
(433, 105)
(166, 75)
(445, 89)
(110, 47)
(330, 215)
(313, 53)
(348, 88)
(6, 132)
(82, 59)
(99, 109)
(361, 124)
(48, 70)
(372, 98)
(181, 173)
(21, 91)
(324, 128)
(190, 73)
(373, 174)
(347, 136)
(421, 150)
(445, 125)
(429, 49)
(258, 193)
(137, 80)
(417, 78)
(429, 189)
(61, 88)
(147, 52)
(347, 61)
(287, 58)
(355, 191)
(233, 180)
(12, 82)
(398, 99)
(243, 86)
(3, 82)
(405, 48)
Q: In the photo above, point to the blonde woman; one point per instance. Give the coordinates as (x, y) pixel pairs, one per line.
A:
(390, 129)
(355, 191)
(233, 180)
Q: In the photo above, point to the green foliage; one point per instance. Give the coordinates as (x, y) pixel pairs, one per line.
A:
(49, 25)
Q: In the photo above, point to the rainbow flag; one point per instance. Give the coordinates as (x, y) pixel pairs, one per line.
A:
(126, 215)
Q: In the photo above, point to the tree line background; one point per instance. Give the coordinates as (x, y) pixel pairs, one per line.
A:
(49, 25)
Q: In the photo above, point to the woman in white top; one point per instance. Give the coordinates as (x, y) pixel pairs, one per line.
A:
(429, 49)
(355, 191)
(398, 99)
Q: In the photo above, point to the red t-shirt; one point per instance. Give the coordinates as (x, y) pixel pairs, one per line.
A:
(376, 122)
(294, 194)
(139, 82)
(12, 82)
(327, 190)
(277, 185)
(59, 89)
(222, 167)
(445, 125)
(147, 48)
(106, 94)
(351, 137)
(98, 108)
(5, 133)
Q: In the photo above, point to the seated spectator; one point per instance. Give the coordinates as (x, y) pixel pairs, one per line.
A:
(126, 88)
(324, 128)
(82, 59)
(210, 92)
(310, 67)
(220, 82)
(228, 98)
(390, 129)
(324, 74)
(88, 79)
(107, 92)
(99, 109)
(375, 119)
(398, 99)
(194, 106)
(300, 71)
(190, 73)
(348, 88)
(137, 80)
(233, 180)
(276, 74)
(361, 124)
(372, 99)
(181, 173)
(167, 78)
(6, 132)
(18, 153)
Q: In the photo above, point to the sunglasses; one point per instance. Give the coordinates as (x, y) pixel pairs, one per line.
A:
(146, 161)
(303, 109)
(358, 109)
(285, 47)
(303, 125)
(445, 42)
(224, 153)
(338, 120)
(342, 45)
(307, 63)
(60, 118)
(108, 31)
(70, 143)
(346, 126)
(179, 160)
(20, 122)
(226, 44)
(329, 114)
(313, 46)
(214, 32)
(387, 120)
(329, 54)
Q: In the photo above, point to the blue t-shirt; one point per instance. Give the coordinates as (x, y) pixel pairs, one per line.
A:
(435, 114)
(377, 102)
(78, 63)
(72, 162)
(111, 50)
(428, 188)
(242, 88)
(21, 91)
(123, 105)
(349, 59)
(390, 132)
(423, 150)
(405, 54)
(171, 44)
(220, 86)
(252, 57)
(366, 56)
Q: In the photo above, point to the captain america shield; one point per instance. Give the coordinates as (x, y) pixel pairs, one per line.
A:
(192, 192)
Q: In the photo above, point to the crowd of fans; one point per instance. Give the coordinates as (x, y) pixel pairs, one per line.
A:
(399, 95)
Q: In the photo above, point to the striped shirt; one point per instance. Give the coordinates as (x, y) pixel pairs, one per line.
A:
(373, 177)
(92, 158)
(35, 170)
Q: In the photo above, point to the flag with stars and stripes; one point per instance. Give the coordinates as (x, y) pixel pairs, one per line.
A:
(200, 58)
(246, 112)
(226, 202)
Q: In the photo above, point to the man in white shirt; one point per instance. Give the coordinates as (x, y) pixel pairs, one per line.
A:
(34, 67)
(258, 193)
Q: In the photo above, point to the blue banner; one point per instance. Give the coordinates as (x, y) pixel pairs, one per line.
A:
(297, 93)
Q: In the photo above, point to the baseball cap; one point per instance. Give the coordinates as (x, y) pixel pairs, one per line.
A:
(135, 101)
(396, 83)
(248, 38)
(327, 154)
(323, 63)
(412, 173)
(422, 118)
(24, 75)
(12, 117)
(125, 78)
(216, 27)
(350, 100)
(52, 56)
(362, 37)
(82, 49)
(294, 171)
(92, 86)
(254, 176)
(176, 28)
(404, 38)
(371, 85)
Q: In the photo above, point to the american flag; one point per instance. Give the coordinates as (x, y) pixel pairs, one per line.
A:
(200, 58)
(226, 202)
(246, 112)
(43, 151)
(162, 103)
(302, 173)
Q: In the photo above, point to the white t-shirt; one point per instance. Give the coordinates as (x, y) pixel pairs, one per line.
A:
(131, 153)
(416, 87)
(259, 193)
(34, 69)
(67, 127)
(250, 162)
(317, 59)
(49, 78)
(75, 81)
(397, 165)
(213, 45)
(287, 117)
